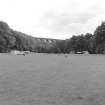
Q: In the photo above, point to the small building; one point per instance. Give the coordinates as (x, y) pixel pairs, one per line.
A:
(79, 52)
(82, 52)
(72, 52)
(26, 52)
(85, 52)
(16, 52)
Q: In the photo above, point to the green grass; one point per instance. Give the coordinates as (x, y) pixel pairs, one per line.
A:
(44, 79)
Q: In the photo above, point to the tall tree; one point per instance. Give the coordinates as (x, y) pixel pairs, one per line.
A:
(99, 38)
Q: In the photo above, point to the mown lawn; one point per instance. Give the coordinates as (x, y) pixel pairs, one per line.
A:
(44, 79)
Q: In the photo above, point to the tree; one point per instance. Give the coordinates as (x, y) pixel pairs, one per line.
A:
(89, 45)
(99, 38)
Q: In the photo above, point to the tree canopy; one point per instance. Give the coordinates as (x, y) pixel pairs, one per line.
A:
(14, 40)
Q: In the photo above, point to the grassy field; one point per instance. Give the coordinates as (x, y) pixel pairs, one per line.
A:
(44, 79)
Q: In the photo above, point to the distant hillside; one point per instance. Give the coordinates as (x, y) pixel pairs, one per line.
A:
(14, 40)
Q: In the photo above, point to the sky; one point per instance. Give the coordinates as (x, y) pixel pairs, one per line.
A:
(58, 19)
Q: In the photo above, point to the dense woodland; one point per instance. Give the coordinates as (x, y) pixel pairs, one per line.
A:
(14, 40)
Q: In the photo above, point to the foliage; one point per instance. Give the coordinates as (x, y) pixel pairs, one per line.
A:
(99, 39)
(14, 40)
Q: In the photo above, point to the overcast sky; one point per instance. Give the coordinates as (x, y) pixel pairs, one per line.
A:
(53, 18)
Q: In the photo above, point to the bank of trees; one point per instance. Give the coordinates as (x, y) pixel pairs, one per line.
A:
(94, 44)
(76, 44)
(14, 40)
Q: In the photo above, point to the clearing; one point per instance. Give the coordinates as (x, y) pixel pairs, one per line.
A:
(47, 79)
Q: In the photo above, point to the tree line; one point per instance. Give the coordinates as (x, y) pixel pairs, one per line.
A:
(14, 40)
(93, 43)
